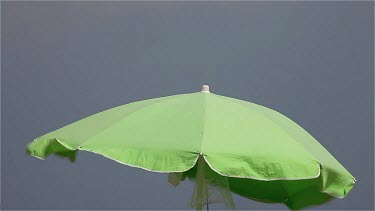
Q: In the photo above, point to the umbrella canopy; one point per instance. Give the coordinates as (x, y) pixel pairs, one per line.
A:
(262, 154)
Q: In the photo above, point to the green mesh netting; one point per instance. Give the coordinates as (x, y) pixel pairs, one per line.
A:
(209, 186)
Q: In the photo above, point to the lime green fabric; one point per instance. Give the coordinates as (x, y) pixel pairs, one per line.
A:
(259, 149)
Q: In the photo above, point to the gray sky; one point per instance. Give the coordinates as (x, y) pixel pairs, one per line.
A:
(62, 61)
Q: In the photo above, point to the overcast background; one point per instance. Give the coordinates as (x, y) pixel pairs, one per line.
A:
(62, 61)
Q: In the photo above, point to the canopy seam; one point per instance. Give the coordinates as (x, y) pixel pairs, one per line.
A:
(204, 121)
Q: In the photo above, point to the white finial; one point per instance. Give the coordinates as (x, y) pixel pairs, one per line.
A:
(205, 89)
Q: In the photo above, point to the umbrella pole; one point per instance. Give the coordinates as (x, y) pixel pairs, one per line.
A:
(199, 180)
(206, 187)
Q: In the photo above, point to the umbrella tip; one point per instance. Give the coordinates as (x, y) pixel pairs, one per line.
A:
(205, 89)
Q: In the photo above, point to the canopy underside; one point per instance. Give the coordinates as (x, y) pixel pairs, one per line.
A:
(296, 193)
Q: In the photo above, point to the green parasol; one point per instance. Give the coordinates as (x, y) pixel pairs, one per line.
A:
(223, 144)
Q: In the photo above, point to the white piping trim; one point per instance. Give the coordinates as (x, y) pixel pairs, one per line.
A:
(131, 165)
(40, 158)
(208, 163)
(273, 179)
(194, 163)
(261, 179)
(334, 195)
(64, 145)
(337, 196)
(127, 164)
